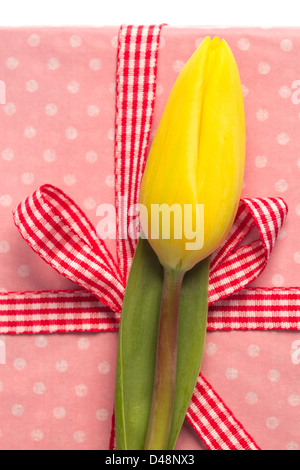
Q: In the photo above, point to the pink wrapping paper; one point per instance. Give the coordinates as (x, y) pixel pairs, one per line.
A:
(57, 127)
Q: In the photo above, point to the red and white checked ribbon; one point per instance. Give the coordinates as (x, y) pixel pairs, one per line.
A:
(56, 228)
(136, 86)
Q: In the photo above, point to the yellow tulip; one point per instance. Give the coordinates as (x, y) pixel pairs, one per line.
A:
(196, 158)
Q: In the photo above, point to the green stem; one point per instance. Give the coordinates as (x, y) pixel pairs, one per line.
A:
(166, 360)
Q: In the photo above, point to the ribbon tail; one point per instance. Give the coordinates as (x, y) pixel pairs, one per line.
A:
(214, 423)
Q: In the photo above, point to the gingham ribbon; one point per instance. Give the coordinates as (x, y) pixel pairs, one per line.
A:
(55, 227)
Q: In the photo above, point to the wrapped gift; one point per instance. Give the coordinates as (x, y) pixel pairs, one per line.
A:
(79, 108)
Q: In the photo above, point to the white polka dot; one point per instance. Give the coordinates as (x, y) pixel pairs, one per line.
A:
(73, 87)
(251, 398)
(102, 414)
(198, 41)
(298, 162)
(253, 350)
(281, 234)
(7, 154)
(12, 63)
(292, 446)
(4, 246)
(5, 200)
(37, 435)
(261, 161)
(71, 133)
(111, 134)
(59, 412)
(178, 65)
(286, 45)
(231, 373)
(294, 400)
(114, 41)
(95, 64)
(49, 155)
(32, 86)
(262, 115)
(263, 68)
(79, 437)
(83, 343)
(281, 186)
(89, 203)
(297, 257)
(91, 156)
(1, 386)
(70, 179)
(210, 348)
(93, 110)
(30, 132)
(274, 375)
(110, 181)
(17, 410)
(243, 44)
(33, 40)
(81, 390)
(278, 280)
(162, 42)
(39, 388)
(51, 109)
(61, 365)
(272, 422)
(53, 63)
(159, 89)
(298, 209)
(284, 91)
(112, 87)
(75, 41)
(10, 109)
(23, 270)
(104, 367)
(27, 178)
(245, 91)
(283, 138)
(19, 363)
(41, 341)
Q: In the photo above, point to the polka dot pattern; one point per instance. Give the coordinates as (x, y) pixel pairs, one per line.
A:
(57, 391)
(47, 411)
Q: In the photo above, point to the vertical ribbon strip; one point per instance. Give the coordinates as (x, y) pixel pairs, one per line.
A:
(136, 86)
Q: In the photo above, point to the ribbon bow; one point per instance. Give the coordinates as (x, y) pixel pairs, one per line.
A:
(57, 229)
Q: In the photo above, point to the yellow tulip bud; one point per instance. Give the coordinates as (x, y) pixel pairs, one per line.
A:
(196, 160)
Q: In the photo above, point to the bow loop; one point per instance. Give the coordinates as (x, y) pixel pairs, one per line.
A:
(233, 267)
(56, 228)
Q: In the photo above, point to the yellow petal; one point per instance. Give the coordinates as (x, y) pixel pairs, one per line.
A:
(197, 156)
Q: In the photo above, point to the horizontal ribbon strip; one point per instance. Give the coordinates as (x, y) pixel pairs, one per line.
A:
(81, 311)
(54, 312)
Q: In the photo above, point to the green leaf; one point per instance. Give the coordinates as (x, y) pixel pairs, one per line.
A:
(137, 346)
